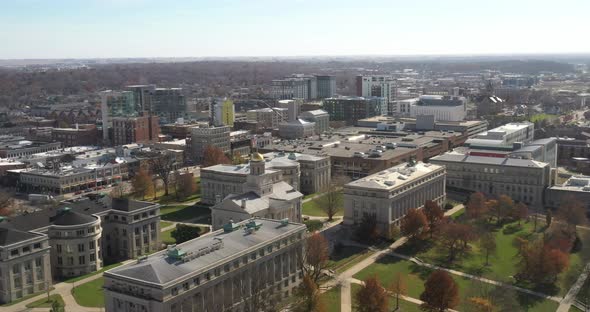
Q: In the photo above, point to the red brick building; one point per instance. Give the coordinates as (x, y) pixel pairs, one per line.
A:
(143, 129)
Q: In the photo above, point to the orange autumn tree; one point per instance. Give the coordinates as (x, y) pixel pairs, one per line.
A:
(214, 156)
(414, 223)
(440, 292)
(372, 297)
(476, 206)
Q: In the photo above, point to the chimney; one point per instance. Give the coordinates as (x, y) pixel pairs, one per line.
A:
(244, 203)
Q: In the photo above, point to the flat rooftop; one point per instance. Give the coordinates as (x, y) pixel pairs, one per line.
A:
(395, 177)
(575, 184)
(510, 162)
(161, 269)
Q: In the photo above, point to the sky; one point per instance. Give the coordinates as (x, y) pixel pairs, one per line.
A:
(225, 28)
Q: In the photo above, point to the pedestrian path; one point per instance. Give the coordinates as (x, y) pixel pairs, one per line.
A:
(566, 303)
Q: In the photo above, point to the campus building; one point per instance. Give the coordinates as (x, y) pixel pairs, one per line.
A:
(228, 270)
(306, 173)
(264, 195)
(389, 194)
(524, 180)
(350, 108)
(201, 138)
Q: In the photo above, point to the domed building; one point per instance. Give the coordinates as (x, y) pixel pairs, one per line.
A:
(264, 194)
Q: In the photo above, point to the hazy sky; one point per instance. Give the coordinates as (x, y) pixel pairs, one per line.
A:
(169, 28)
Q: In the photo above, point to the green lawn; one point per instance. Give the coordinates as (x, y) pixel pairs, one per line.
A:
(543, 116)
(164, 224)
(44, 303)
(183, 213)
(168, 239)
(504, 263)
(90, 294)
(79, 278)
(347, 257)
(331, 299)
(24, 298)
(311, 208)
(171, 198)
(309, 195)
(385, 268)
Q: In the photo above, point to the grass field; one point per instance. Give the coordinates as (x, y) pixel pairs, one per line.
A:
(348, 257)
(539, 117)
(164, 224)
(331, 299)
(311, 208)
(416, 275)
(24, 298)
(90, 294)
(44, 303)
(105, 268)
(183, 213)
(168, 239)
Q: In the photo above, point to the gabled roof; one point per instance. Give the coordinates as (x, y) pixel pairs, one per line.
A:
(9, 235)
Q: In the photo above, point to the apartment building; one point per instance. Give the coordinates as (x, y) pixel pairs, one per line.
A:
(227, 270)
(389, 194)
(326, 86)
(141, 129)
(81, 135)
(268, 117)
(201, 138)
(350, 109)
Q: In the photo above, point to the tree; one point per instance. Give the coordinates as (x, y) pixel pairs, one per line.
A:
(476, 206)
(454, 238)
(161, 165)
(414, 223)
(56, 306)
(214, 156)
(549, 217)
(185, 184)
(440, 292)
(480, 304)
(118, 191)
(310, 295)
(142, 183)
(6, 204)
(540, 263)
(502, 208)
(237, 159)
(372, 297)
(184, 233)
(434, 215)
(487, 242)
(330, 200)
(398, 287)
(521, 212)
(315, 257)
(367, 230)
(572, 213)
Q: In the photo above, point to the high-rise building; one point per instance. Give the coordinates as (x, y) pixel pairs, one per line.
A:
(168, 103)
(141, 129)
(293, 108)
(443, 108)
(223, 112)
(320, 117)
(268, 117)
(352, 108)
(326, 86)
(117, 104)
(201, 138)
(377, 85)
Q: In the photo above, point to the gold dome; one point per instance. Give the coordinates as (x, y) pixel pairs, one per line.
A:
(257, 157)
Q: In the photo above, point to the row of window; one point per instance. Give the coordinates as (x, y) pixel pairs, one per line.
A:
(81, 247)
(81, 260)
(24, 249)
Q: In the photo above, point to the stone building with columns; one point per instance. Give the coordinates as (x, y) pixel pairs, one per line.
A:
(389, 194)
(227, 270)
(264, 195)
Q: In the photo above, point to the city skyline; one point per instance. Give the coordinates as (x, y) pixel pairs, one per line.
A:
(130, 28)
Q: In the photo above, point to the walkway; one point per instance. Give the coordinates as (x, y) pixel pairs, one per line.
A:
(481, 279)
(566, 303)
(344, 279)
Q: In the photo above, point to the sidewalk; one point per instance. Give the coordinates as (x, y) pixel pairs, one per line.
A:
(566, 303)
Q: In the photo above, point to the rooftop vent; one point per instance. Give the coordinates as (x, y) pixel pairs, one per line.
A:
(230, 227)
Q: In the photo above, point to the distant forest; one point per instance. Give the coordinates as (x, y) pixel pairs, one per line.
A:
(19, 87)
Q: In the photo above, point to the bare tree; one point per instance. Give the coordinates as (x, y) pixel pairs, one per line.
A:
(315, 256)
(6, 204)
(161, 165)
(330, 201)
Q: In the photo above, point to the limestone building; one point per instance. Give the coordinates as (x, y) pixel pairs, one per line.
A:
(523, 180)
(264, 195)
(306, 173)
(228, 270)
(387, 195)
(201, 138)
(24, 262)
(76, 238)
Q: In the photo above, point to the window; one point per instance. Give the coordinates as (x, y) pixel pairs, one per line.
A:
(28, 266)
(80, 247)
(91, 245)
(92, 257)
(174, 291)
(185, 286)
(16, 269)
(37, 246)
(70, 260)
(59, 261)
(80, 233)
(27, 249)
(14, 252)
(136, 231)
(136, 217)
(38, 262)
(197, 281)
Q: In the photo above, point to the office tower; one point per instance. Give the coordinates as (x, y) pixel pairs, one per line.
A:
(168, 103)
(352, 108)
(201, 138)
(223, 112)
(326, 86)
(116, 104)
